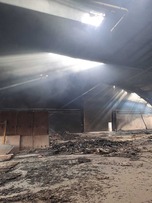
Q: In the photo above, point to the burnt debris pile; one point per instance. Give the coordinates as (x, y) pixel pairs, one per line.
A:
(95, 146)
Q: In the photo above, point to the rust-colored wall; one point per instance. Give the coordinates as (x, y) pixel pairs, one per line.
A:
(27, 124)
(11, 117)
(24, 123)
(40, 123)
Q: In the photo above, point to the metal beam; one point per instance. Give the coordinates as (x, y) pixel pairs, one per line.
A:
(49, 7)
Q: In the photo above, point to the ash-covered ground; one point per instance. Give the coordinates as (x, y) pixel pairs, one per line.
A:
(83, 169)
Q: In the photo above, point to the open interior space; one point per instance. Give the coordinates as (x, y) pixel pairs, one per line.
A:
(75, 101)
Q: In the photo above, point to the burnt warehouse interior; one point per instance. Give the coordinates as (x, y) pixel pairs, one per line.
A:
(75, 79)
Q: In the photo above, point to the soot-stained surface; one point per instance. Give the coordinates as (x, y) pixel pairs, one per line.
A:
(94, 176)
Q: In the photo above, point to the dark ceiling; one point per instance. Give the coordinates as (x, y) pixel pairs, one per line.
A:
(128, 47)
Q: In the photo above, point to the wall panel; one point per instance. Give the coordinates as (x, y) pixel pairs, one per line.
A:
(40, 123)
(126, 121)
(30, 126)
(61, 121)
(11, 118)
(25, 123)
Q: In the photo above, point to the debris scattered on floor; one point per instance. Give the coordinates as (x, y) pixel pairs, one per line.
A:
(6, 174)
(6, 149)
(74, 171)
(94, 146)
(43, 196)
(6, 166)
(6, 157)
